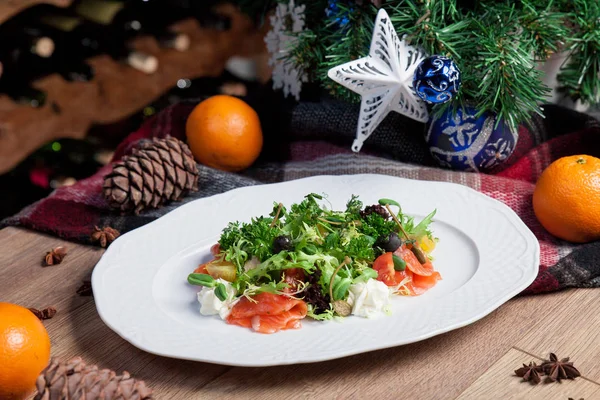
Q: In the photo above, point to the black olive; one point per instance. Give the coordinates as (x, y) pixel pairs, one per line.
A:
(281, 243)
(389, 243)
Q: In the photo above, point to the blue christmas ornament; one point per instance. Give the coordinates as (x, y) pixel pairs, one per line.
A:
(334, 9)
(436, 80)
(469, 143)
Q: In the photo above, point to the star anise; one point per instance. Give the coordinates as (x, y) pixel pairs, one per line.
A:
(46, 313)
(530, 373)
(85, 289)
(557, 370)
(104, 236)
(55, 256)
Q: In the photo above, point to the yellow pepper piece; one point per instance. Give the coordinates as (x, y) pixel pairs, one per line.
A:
(426, 244)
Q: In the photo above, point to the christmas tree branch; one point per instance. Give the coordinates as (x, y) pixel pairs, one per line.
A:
(347, 35)
(433, 25)
(308, 53)
(495, 43)
(580, 78)
(543, 26)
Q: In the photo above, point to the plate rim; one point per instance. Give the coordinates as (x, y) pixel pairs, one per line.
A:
(524, 282)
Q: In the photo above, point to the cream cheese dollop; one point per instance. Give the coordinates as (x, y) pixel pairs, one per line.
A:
(210, 303)
(369, 298)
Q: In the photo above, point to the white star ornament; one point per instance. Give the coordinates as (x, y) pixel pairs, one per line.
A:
(383, 79)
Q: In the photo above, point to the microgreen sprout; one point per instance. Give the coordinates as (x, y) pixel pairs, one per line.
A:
(221, 291)
(386, 202)
(201, 280)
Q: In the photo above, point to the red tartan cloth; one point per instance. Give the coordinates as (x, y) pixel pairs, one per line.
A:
(72, 212)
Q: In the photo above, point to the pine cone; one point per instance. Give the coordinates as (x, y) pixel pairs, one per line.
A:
(76, 381)
(157, 171)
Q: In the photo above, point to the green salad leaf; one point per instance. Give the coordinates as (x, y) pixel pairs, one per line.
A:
(421, 229)
(312, 240)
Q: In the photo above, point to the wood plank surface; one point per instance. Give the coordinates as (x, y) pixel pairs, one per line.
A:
(77, 330)
(474, 362)
(438, 368)
(565, 333)
(499, 382)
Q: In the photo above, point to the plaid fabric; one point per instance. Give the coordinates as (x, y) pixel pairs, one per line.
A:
(314, 138)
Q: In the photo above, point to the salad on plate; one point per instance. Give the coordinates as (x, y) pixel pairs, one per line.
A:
(312, 261)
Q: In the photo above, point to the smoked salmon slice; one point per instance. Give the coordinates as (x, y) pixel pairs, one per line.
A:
(426, 282)
(269, 314)
(412, 263)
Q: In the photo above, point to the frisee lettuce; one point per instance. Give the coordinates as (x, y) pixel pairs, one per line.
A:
(324, 316)
(421, 229)
(320, 239)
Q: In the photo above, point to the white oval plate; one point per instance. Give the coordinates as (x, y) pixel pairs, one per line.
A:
(486, 255)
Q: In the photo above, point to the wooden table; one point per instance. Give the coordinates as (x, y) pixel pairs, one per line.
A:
(475, 362)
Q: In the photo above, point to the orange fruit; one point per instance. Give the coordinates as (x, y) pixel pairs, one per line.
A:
(224, 132)
(566, 199)
(24, 351)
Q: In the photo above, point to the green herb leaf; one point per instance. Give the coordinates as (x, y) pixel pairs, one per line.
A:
(221, 291)
(376, 226)
(271, 287)
(367, 273)
(340, 288)
(332, 241)
(360, 248)
(302, 215)
(240, 241)
(335, 219)
(323, 316)
(399, 264)
(422, 229)
(282, 212)
(201, 280)
(230, 235)
(310, 249)
(391, 202)
(353, 207)
(316, 196)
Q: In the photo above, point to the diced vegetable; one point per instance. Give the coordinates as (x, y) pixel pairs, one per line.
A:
(426, 244)
(221, 269)
(201, 269)
(384, 265)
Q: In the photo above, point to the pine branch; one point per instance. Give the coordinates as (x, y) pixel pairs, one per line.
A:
(509, 84)
(434, 25)
(354, 43)
(308, 54)
(495, 44)
(580, 77)
(543, 26)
